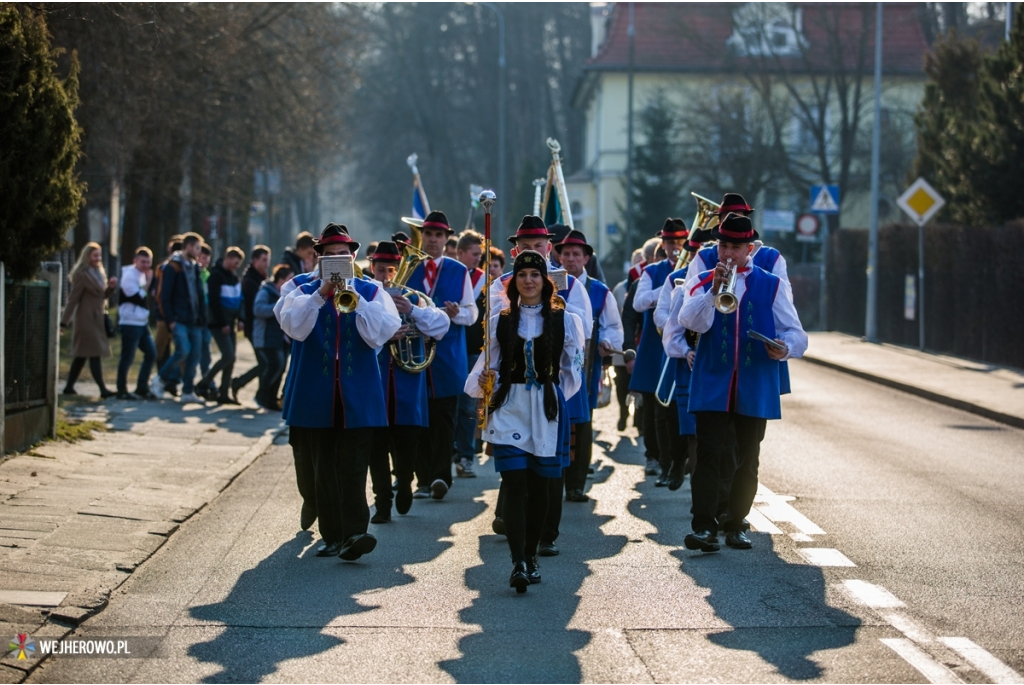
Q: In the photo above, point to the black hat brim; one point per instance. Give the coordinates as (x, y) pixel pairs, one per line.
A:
(716, 235)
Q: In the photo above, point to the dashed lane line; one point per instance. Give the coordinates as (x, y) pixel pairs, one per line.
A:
(982, 660)
(873, 596)
(823, 556)
(921, 660)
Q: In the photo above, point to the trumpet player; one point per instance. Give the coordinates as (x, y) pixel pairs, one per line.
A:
(405, 392)
(650, 356)
(336, 393)
(734, 389)
(446, 281)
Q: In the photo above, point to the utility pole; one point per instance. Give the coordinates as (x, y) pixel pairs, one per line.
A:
(871, 319)
(1009, 20)
(626, 242)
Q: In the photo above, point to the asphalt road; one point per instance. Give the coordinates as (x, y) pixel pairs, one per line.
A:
(921, 503)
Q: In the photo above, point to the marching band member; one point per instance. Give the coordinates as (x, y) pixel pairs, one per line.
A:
(536, 352)
(734, 389)
(405, 393)
(446, 281)
(533, 235)
(649, 353)
(606, 336)
(470, 253)
(336, 393)
(677, 427)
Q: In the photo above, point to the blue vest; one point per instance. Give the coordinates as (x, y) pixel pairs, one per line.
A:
(598, 292)
(296, 351)
(446, 375)
(727, 358)
(766, 258)
(310, 401)
(405, 394)
(650, 355)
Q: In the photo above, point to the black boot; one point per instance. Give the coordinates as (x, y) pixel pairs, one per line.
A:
(519, 579)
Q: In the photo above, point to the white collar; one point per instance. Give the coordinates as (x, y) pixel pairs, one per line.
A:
(582, 278)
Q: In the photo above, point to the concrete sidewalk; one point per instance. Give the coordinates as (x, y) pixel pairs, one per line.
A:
(77, 519)
(995, 392)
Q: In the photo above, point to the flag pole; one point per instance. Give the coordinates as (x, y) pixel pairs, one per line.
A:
(487, 200)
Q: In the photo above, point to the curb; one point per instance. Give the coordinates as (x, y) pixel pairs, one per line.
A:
(963, 405)
(69, 618)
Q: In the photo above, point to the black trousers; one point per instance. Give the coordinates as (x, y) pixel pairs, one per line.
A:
(435, 459)
(398, 444)
(728, 451)
(652, 449)
(340, 458)
(583, 450)
(622, 390)
(672, 446)
(77, 364)
(553, 519)
(305, 472)
(525, 504)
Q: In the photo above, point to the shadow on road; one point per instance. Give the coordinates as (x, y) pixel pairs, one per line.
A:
(526, 638)
(776, 609)
(277, 611)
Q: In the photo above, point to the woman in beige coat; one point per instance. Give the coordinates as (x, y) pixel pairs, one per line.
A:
(86, 306)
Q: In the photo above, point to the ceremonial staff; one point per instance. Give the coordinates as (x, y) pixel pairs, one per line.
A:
(487, 200)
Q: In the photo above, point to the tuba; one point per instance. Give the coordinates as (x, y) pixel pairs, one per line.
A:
(414, 351)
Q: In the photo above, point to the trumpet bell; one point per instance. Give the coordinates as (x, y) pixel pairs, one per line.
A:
(345, 301)
(726, 302)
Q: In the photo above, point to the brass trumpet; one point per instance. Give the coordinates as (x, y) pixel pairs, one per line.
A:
(338, 270)
(725, 299)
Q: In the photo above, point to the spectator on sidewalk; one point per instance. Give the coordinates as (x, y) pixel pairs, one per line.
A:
(252, 281)
(268, 339)
(470, 253)
(302, 257)
(181, 304)
(205, 255)
(87, 304)
(133, 320)
(163, 337)
(224, 294)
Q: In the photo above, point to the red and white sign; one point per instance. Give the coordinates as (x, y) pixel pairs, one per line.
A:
(807, 226)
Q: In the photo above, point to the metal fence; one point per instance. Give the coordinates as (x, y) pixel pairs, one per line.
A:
(26, 344)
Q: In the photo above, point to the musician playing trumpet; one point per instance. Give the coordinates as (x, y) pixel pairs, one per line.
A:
(734, 388)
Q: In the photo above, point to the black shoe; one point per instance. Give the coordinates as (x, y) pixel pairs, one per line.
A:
(519, 579)
(676, 476)
(533, 570)
(125, 395)
(547, 549)
(622, 423)
(234, 391)
(704, 540)
(224, 398)
(662, 480)
(737, 539)
(421, 493)
(438, 489)
(330, 549)
(356, 546)
(498, 525)
(403, 499)
(69, 391)
(307, 517)
(576, 495)
(204, 391)
(145, 394)
(382, 514)
(107, 394)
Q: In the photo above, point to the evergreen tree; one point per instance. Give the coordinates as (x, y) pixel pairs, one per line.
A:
(39, 143)
(657, 187)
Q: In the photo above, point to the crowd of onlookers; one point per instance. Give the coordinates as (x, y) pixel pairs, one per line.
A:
(191, 305)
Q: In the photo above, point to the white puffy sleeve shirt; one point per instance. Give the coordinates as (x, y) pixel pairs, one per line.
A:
(376, 319)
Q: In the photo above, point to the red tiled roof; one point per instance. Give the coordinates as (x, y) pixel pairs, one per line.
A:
(692, 37)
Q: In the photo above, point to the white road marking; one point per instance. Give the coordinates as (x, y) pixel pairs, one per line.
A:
(919, 659)
(801, 537)
(822, 556)
(761, 524)
(908, 627)
(982, 660)
(777, 508)
(872, 596)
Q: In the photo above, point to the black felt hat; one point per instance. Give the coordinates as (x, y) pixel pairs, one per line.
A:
(530, 227)
(334, 233)
(437, 220)
(386, 252)
(735, 228)
(558, 233)
(575, 238)
(674, 229)
(734, 202)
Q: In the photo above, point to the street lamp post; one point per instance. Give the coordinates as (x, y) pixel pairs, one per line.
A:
(501, 107)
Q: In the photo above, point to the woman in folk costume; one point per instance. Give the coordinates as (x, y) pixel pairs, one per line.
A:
(536, 355)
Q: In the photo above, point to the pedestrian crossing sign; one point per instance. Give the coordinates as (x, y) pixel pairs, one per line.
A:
(920, 201)
(825, 199)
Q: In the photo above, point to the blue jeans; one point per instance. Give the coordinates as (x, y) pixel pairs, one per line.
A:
(187, 343)
(272, 359)
(204, 352)
(465, 422)
(135, 338)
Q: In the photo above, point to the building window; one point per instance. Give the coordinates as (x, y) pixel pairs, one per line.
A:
(767, 29)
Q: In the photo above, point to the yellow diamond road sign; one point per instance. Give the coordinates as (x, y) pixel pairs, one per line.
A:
(920, 201)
